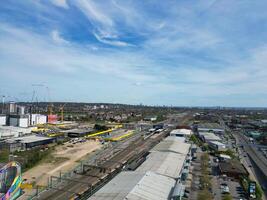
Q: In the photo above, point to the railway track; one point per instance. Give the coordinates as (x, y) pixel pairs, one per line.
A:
(83, 185)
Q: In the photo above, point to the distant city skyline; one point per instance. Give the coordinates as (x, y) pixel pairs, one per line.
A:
(179, 53)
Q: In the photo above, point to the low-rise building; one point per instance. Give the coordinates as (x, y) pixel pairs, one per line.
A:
(150, 118)
(181, 132)
(211, 127)
(208, 136)
(79, 132)
(37, 119)
(218, 146)
(19, 120)
(156, 178)
(27, 142)
(12, 131)
(2, 120)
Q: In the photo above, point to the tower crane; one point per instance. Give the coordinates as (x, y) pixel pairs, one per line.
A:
(61, 108)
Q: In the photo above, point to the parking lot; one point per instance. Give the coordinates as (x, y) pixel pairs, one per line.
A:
(219, 182)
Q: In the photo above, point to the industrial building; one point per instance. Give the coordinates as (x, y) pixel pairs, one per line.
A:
(181, 132)
(27, 142)
(208, 136)
(211, 127)
(19, 120)
(37, 119)
(159, 177)
(135, 185)
(79, 132)
(2, 120)
(218, 146)
(11, 131)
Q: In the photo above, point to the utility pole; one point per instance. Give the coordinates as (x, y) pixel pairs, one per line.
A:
(3, 103)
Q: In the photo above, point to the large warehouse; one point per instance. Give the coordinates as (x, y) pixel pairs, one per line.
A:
(156, 178)
(27, 142)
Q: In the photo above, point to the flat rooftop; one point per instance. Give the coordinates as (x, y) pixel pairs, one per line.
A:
(210, 136)
(210, 126)
(181, 131)
(28, 139)
(217, 143)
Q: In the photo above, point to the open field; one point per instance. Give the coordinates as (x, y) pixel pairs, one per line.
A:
(63, 158)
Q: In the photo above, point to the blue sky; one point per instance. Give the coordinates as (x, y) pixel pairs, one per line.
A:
(173, 52)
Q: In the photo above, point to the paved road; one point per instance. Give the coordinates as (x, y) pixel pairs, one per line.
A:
(250, 158)
(256, 156)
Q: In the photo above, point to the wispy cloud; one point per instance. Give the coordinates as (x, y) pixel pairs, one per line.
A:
(61, 3)
(58, 38)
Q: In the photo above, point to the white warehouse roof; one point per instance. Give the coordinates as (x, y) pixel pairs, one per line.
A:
(119, 187)
(172, 144)
(152, 186)
(165, 163)
(136, 186)
(181, 132)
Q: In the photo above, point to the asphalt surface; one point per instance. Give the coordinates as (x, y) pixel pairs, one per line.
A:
(256, 156)
(253, 160)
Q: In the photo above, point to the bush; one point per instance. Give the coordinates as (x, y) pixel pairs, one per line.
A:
(227, 197)
(204, 195)
(259, 191)
(4, 156)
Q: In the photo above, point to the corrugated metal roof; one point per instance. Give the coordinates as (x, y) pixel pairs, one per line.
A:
(172, 144)
(154, 179)
(165, 163)
(119, 187)
(152, 186)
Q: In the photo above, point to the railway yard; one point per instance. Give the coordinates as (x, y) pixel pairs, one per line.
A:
(90, 177)
(187, 155)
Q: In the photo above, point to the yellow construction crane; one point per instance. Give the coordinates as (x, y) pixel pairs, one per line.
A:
(50, 109)
(61, 108)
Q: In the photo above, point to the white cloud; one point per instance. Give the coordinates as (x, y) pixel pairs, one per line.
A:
(57, 38)
(101, 21)
(61, 3)
(111, 42)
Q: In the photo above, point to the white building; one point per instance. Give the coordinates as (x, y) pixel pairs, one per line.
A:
(19, 120)
(180, 132)
(218, 146)
(208, 136)
(11, 131)
(2, 120)
(38, 119)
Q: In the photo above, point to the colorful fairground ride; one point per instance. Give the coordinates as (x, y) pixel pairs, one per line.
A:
(10, 181)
